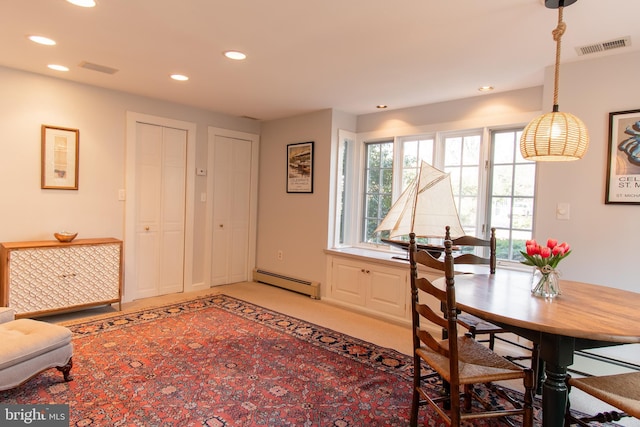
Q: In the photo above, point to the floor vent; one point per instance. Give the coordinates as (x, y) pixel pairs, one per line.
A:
(604, 46)
(291, 283)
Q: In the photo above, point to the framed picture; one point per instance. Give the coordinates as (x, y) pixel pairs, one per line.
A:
(623, 166)
(59, 158)
(300, 167)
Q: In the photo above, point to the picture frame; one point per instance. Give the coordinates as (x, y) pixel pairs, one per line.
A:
(59, 158)
(300, 167)
(623, 159)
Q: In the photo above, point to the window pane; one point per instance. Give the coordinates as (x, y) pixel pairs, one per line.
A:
(342, 184)
(523, 213)
(453, 151)
(454, 175)
(410, 154)
(518, 244)
(386, 155)
(501, 212)
(525, 179)
(471, 150)
(373, 180)
(512, 194)
(372, 206)
(503, 244)
(467, 211)
(408, 175)
(379, 177)
(503, 147)
(470, 181)
(502, 178)
(414, 151)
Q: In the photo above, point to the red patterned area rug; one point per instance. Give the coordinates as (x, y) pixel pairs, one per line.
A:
(219, 361)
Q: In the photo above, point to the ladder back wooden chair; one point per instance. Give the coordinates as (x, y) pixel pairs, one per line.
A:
(479, 327)
(621, 391)
(460, 361)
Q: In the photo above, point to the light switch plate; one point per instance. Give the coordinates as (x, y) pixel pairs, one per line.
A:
(563, 211)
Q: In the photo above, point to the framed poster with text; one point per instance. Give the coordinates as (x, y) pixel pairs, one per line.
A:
(300, 168)
(623, 166)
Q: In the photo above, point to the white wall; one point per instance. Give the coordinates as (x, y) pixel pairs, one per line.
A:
(604, 237)
(29, 213)
(294, 223)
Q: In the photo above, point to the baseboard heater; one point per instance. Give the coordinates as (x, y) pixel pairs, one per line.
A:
(291, 283)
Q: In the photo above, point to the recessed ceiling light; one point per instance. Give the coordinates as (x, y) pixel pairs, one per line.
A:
(179, 77)
(485, 88)
(42, 40)
(83, 3)
(234, 54)
(381, 106)
(58, 67)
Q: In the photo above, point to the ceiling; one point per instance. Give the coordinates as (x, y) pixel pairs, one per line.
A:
(307, 55)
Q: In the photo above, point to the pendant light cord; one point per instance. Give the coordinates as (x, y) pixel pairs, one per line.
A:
(557, 36)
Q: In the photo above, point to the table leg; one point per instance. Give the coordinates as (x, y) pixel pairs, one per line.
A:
(557, 352)
(554, 396)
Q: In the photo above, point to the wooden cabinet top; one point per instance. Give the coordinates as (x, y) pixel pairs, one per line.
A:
(55, 243)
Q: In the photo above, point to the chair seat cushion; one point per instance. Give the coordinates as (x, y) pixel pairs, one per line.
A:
(477, 364)
(24, 339)
(621, 391)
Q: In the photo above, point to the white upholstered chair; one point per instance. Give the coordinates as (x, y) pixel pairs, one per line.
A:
(30, 347)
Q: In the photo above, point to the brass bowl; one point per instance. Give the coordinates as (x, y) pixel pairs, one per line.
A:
(65, 236)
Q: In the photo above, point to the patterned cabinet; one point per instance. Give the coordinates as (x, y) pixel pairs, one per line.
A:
(38, 278)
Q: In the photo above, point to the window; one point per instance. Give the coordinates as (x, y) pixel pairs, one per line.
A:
(378, 174)
(462, 161)
(512, 194)
(414, 151)
(492, 184)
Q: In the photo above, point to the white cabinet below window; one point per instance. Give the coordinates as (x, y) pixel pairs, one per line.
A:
(374, 288)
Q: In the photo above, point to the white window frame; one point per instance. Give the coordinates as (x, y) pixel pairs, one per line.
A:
(355, 193)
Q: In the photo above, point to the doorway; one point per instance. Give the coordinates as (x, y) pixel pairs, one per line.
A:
(159, 213)
(232, 214)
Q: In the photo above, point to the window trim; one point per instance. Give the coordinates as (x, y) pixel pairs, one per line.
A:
(496, 122)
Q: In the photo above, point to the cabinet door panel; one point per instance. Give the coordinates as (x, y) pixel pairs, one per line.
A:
(348, 283)
(94, 273)
(387, 291)
(33, 284)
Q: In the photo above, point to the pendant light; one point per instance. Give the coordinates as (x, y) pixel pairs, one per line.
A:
(555, 136)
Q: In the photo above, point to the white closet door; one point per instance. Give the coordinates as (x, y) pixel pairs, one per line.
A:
(231, 209)
(160, 209)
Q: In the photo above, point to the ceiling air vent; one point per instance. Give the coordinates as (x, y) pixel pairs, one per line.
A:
(99, 68)
(601, 47)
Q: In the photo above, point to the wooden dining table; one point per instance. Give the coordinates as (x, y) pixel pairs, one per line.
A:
(583, 316)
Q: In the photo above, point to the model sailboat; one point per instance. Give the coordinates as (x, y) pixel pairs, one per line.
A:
(424, 208)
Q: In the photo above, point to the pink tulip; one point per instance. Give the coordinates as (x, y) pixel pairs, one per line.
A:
(552, 243)
(545, 252)
(531, 242)
(565, 245)
(558, 250)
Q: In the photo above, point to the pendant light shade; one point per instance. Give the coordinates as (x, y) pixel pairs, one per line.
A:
(555, 136)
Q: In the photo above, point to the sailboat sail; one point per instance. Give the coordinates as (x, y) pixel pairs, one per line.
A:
(425, 207)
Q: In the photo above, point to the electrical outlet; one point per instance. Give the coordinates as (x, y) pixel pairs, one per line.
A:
(280, 255)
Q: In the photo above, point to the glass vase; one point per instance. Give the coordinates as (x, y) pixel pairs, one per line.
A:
(545, 282)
